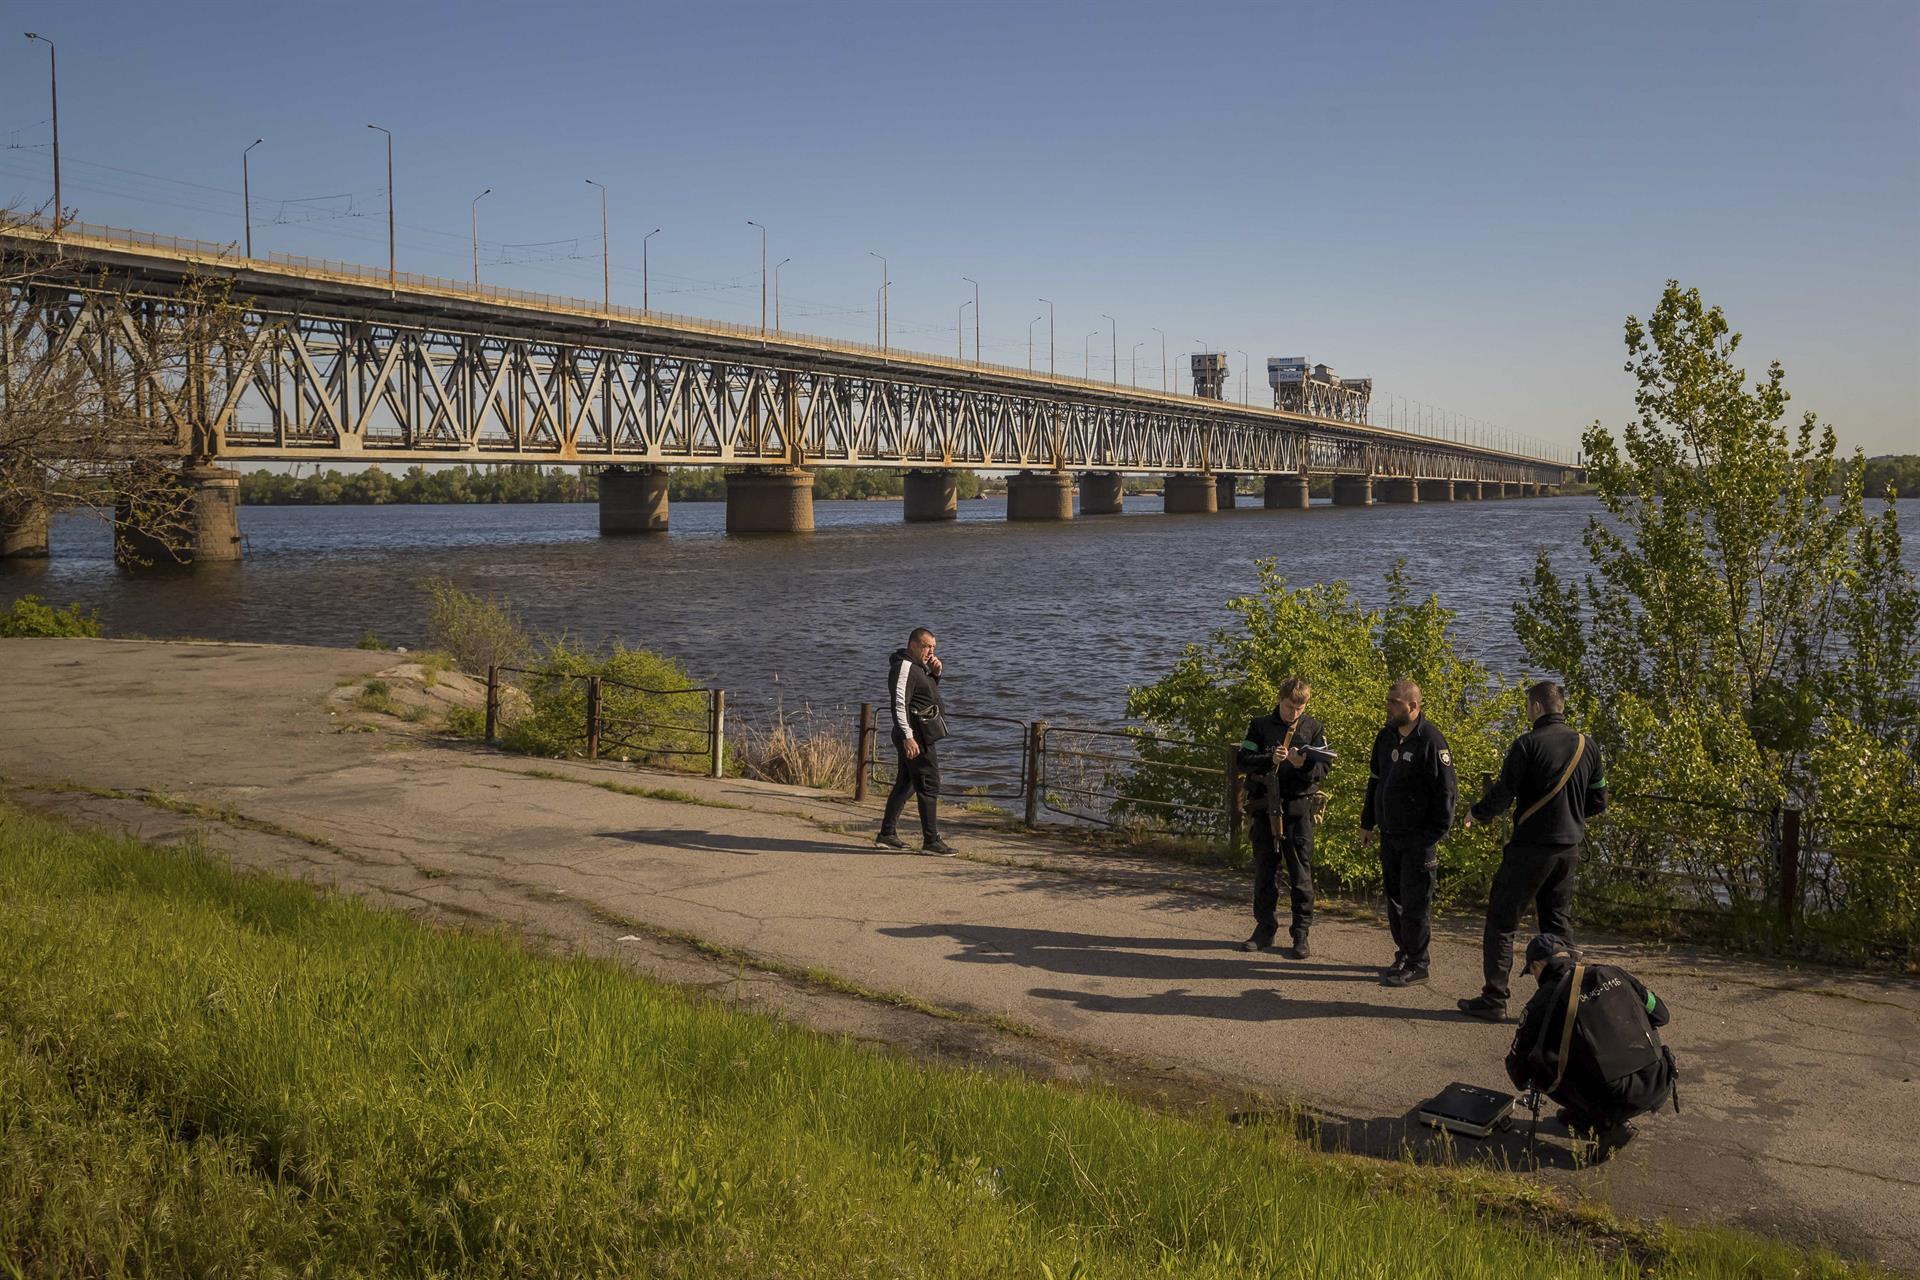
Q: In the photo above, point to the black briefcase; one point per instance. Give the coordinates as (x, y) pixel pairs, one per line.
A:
(1468, 1109)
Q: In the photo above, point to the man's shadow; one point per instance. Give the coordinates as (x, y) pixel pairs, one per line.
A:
(1255, 1004)
(744, 846)
(1108, 956)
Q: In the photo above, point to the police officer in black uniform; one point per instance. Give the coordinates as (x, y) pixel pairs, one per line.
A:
(1554, 777)
(1410, 798)
(1281, 797)
(1614, 1066)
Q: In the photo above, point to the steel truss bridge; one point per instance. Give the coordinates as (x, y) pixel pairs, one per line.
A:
(338, 362)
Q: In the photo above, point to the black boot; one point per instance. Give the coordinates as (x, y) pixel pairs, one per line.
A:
(1299, 950)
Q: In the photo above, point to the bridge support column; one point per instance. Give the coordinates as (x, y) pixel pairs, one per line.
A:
(1286, 493)
(770, 500)
(1466, 491)
(1227, 493)
(192, 518)
(1353, 491)
(1510, 489)
(23, 531)
(1396, 491)
(931, 495)
(633, 501)
(1040, 495)
(1529, 490)
(1436, 491)
(1491, 489)
(1102, 493)
(1190, 494)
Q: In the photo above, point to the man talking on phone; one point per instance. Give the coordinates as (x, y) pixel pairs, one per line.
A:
(919, 721)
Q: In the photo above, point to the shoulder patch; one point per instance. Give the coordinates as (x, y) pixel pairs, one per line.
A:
(1446, 756)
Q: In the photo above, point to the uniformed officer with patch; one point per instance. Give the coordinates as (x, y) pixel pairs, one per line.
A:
(1283, 783)
(1410, 798)
(1553, 776)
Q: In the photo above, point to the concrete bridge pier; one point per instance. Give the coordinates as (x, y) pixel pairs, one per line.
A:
(1510, 489)
(1102, 493)
(1386, 490)
(1286, 493)
(1040, 495)
(1227, 492)
(1353, 491)
(1436, 491)
(1491, 489)
(931, 495)
(1466, 491)
(633, 501)
(23, 531)
(770, 500)
(191, 518)
(1190, 494)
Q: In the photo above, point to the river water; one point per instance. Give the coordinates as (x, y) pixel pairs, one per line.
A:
(1034, 620)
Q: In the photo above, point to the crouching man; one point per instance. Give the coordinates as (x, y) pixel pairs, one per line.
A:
(1588, 1040)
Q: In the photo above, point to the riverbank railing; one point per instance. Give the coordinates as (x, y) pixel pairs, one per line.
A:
(605, 717)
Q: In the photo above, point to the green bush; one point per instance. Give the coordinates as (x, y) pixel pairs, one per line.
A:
(643, 712)
(476, 632)
(368, 640)
(28, 616)
(1350, 654)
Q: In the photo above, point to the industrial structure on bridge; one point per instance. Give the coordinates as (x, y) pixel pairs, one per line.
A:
(329, 361)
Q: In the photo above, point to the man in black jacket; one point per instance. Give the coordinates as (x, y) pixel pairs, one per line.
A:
(1554, 777)
(913, 697)
(1281, 785)
(1410, 798)
(1614, 1066)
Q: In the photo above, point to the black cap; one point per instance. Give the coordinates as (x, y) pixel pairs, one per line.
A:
(1545, 946)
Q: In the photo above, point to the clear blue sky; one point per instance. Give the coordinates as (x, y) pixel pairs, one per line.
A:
(1462, 200)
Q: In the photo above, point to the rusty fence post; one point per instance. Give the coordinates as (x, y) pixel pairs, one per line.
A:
(1231, 799)
(717, 731)
(493, 703)
(863, 752)
(1036, 744)
(593, 717)
(1788, 879)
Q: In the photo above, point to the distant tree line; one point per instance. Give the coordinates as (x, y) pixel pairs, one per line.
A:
(508, 483)
(1897, 471)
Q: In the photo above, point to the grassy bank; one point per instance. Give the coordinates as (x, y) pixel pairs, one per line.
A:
(210, 1073)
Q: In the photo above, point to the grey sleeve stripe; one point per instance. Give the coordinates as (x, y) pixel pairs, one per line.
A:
(900, 702)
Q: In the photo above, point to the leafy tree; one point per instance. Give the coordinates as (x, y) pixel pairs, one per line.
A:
(30, 616)
(1741, 638)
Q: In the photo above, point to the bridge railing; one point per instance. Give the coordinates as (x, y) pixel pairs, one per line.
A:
(229, 256)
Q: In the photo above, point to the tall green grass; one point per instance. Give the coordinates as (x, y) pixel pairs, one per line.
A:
(205, 1073)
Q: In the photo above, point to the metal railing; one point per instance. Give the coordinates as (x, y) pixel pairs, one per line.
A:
(636, 724)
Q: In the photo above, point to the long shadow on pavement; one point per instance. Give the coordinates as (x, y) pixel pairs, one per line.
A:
(1103, 956)
(746, 846)
(1256, 1004)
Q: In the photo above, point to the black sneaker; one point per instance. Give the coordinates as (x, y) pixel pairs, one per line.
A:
(1257, 943)
(1484, 1007)
(1299, 950)
(890, 840)
(937, 847)
(1407, 975)
(1399, 963)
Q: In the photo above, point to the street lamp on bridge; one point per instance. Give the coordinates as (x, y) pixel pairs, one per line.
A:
(606, 256)
(246, 194)
(976, 316)
(1246, 362)
(959, 331)
(1164, 385)
(1052, 367)
(390, 253)
(646, 301)
(474, 211)
(763, 275)
(1136, 364)
(1036, 320)
(776, 292)
(880, 302)
(53, 81)
(1114, 331)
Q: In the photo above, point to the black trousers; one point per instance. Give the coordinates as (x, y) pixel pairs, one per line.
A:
(1540, 874)
(920, 777)
(1410, 866)
(1294, 855)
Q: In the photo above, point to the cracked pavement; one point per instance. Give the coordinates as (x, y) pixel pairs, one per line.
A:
(1800, 1085)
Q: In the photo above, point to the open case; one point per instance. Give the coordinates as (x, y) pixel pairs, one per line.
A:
(1468, 1109)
